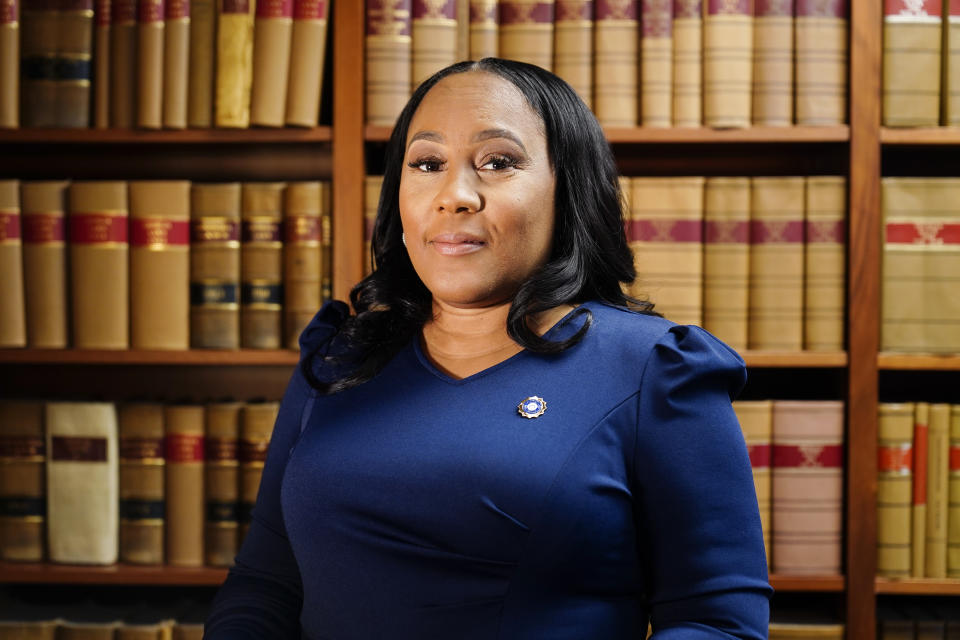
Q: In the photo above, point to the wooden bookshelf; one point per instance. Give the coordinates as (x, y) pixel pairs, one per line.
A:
(911, 362)
(795, 360)
(920, 136)
(918, 586)
(824, 584)
(181, 136)
(200, 357)
(118, 574)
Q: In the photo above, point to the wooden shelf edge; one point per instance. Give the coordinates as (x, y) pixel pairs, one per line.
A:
(808, 583)
(915, 362)
(918, 586)
(48, 573)
(798, 359)
(920, 136)
(183, 136)
(199, 357)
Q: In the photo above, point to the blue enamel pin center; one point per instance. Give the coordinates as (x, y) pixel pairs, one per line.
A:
(532, 407)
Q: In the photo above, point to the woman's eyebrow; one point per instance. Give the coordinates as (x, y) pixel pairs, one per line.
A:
(432, 136)
(488, 134)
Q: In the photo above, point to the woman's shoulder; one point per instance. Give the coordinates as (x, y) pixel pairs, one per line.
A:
(323, 327)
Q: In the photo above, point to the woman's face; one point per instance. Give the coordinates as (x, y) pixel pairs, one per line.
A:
(476, 190)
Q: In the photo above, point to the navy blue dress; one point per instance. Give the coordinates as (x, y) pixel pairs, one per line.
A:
(421, 506)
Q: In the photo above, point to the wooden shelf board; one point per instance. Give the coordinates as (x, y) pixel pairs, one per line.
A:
(807, 583)
(920, 136)
(915, 362)
(798, 359)
(184, 136)
(48, 573)
(208, 357)
(918, 586)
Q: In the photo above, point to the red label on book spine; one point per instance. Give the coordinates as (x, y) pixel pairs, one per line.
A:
(926, 233)
(484, 12)
(955, 457)
(124, 12)
(78, 449)
(954, 8)
(913, 8)
(434, 10)
(920, 464)
(213, 230)
(782, 232)
(267, 230)
(43, 228)
(75, 5)
(235, 6)
(301, 229)
(159, 233)
(727, 231)
(391, 18)
(101, 13)
(274, 8)
(827, 456)
(97, 228)
(525, 12)
(222, 449)
(774, 8)
(177, 9)
(688, 9)
(253, 450)
(141, 449)
(150, 11)
(759, 455)
(895, 459)
(184, 447)
(826, 231)
(822, 8)
(8, 12)
(574, 10)
(309, 10)
(665, 230)
(22, 448)
(657, 19)
(730, 7)
(9, 228)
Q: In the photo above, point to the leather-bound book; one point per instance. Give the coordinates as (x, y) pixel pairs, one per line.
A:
(308, 46)
(150, 34)
(123, 63)
(951, 62)
(807, 487)
(301, 257)
(894, 624)
(222, 482)
(918, 530)
(72, 630)
(687, 63)
(182, 631)
(326, 245)
(88, 620)
(656, 63)
(272, 33)
(463, 29)
(234, 56)
(101, 64)
(10, 64)
(99, 266)
(255, 429)
(184, 490)
(805, 631)
(526, 31)
(40, 24)
(756, 422)
(371, 198)
(616, 63)
(160, 264)
(911, 63)
(13, 330)
(158, 630)
(142, 504)
(727, 62)
(726, 259)
(74, 63)
(203, 30)
(666, 236)
(176, 59)
(16, 624)
(22, 483)
(773, 63)
(433, 37)
(894, 488)
(821, 30)
(45, 263)
(776, 264)
(215, 266)
(388, 59)
(825, 263)
(573, 46)
(953, 490)
(261, 265)
(82, 496)
(938, 463)
(484, 29)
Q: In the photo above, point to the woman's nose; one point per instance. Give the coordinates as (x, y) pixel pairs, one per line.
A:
(459, 190)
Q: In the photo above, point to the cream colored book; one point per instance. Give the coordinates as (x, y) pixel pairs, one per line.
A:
(307, 57)
(727, 63)
(822, 32)
(825, 264)
(756, 422)
(911, 63)
(773, 63)
(894, 488)
(656, 64)
(616, 64)
(726, 259)
(938, 463)
(388, 61)
(45, 262)
(526, 31)
(176, 63)
(13, 329)
(10, 67)
(573, 46)
(272, 34)
(687, 63)
(234, 63)
(433, 29)
(150, 32)
(184, 487)
(484, 29)
(302, 265)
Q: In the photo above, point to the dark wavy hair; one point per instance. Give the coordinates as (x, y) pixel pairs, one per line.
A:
(590, 259)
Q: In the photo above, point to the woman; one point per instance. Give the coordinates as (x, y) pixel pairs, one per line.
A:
(496, 446)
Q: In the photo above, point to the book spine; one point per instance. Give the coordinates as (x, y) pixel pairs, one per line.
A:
(301, 257)
(222, 482)
(255, 430)
(22, 492)
(215, 266)
(938, 462)
(9, 64)
(773, 63)
(687, 63)
(463, 30)
(307, 50)
(911, 63)
(894, 487)
(176, 58)
(825, 263)
(756, 422)
(371, 199)
(388, 61)
(74, 63)
(203, 28)
(656, 63)
(484, 29)
(665, 232)
(261, 265)
(234, 57)
(951, 62)
(326, 245)
(272, 32)
(821, 62)
(727, 62)
(526, 31)
(160, 264)
(953, 508)
(573, 46)
(99, 267)
(123, 63)
(184, 429)
(13, 329)
(39, 62)
(726, 259)
(616, 63)
(101, 64)
(150, 35)
(918, 531)
(45, 263)
(433, 38)
(142, 503)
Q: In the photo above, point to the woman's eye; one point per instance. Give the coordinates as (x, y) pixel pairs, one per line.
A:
(426, 165)
(498, 163)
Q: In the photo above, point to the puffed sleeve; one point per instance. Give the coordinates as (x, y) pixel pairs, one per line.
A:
(701, 537)
(262, 595)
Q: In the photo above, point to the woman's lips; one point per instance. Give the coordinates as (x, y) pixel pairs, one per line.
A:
(456, 244)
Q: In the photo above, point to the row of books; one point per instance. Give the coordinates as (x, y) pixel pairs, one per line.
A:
(162, 63)
(162, 264)
(927, 621)
(158, 484)
(658, 63)
(921, 63)
(90, 619)
(918, 490)
(921, 265)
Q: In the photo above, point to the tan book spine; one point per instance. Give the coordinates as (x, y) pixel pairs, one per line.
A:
(183, 487)
(32, 630)
(45, 263)
(326, 245)
(951, 61)
(484, 29)
(13, 329)
(388, 60)
(463, 30)
(74, 55)
(40, 22)
(918, 530)
(151, 26)
(727, 62)
(187, 631)
(215, 266)
(261, 265)
(776, 264)
(255, 430)
(806, 631)
(176, 58)
(687, 63)
(70, 630)
(234, 70)
(756, 422)
(821, 62)
(773, 63)
(160, 264)
(123, 63)
(10, 65)
(272, 33)
(307, 50)
(911, 63)
(101, 64)
(433, 38)
(22, 482)
(953, 506)
(726, 259)
(82, 494)
(656, 64)
(301, 257)
(141, 483)
(894, 488)
(616, 63)
(573, 46)
(222, 482)
(665, 232)
(158, 631)
(825, 263)
(200, 83)
(99, 267)
(371, 199)
(938, 462)
(526, 31)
